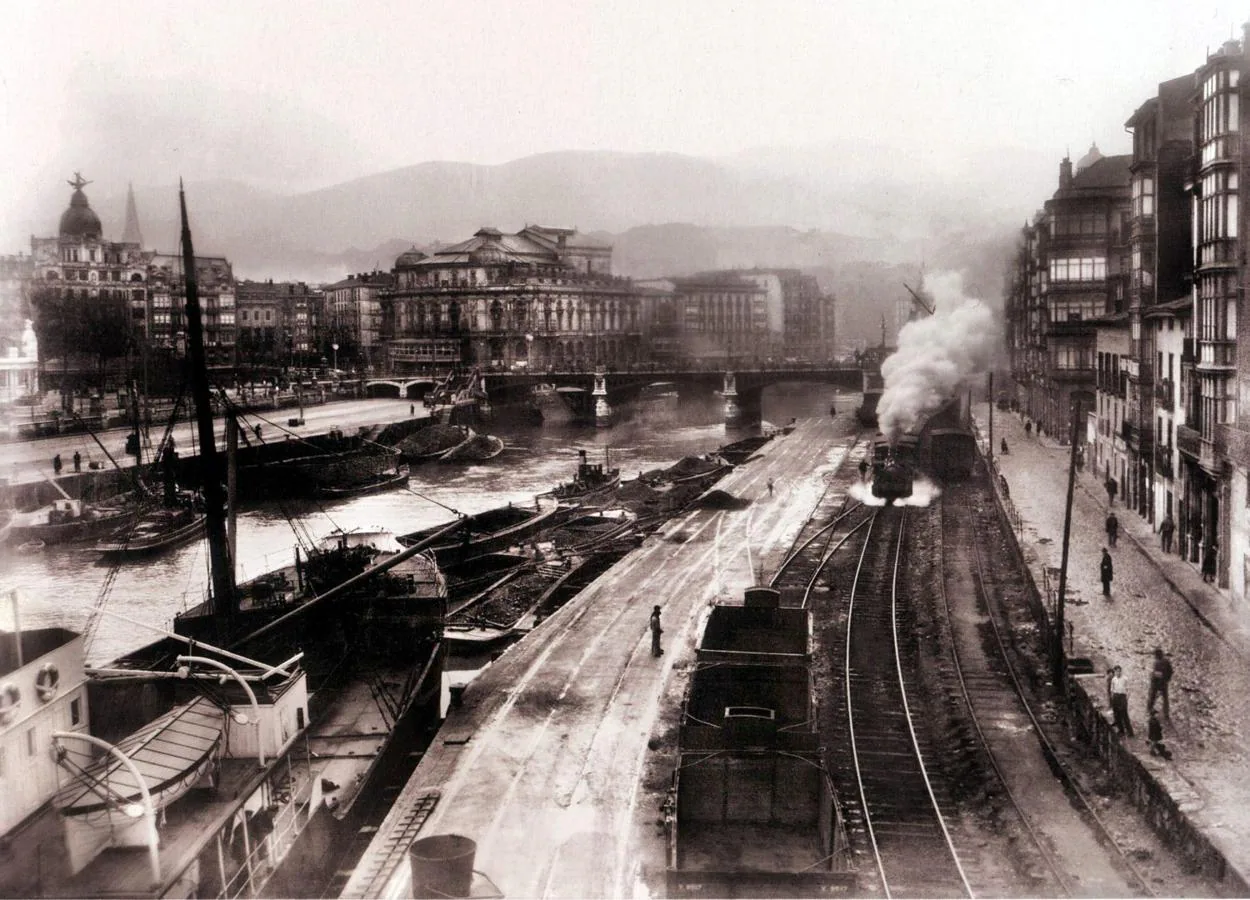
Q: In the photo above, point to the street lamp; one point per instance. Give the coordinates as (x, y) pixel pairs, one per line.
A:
(335, 348)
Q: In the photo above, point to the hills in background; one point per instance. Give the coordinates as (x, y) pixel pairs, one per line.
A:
(831, 209)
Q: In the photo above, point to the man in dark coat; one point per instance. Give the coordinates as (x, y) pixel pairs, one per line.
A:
(1208, 563)
(1160, 677)
(656, 631)
(1166, 529)
(1113, 528)
(1105, 572)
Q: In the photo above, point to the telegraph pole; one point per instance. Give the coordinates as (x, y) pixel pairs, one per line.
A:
(1057, 654)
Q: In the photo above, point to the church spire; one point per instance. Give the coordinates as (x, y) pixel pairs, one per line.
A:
(131, 233)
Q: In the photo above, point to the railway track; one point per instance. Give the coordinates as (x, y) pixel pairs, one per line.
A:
(903, 807)
(998, 702)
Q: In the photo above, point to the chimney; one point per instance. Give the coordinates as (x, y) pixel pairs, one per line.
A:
(1065, 174)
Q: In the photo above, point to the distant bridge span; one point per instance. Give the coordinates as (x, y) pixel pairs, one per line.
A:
(741, 387)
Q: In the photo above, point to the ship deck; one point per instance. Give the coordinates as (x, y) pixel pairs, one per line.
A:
(557, 760)
(36, 861)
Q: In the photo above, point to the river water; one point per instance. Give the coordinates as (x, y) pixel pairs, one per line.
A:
(61, 586)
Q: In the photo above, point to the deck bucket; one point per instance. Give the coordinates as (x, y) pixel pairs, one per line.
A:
(442, 865)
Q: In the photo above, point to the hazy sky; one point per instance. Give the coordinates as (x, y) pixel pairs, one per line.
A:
(299, 94)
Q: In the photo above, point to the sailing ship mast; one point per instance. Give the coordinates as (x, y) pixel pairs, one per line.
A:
(224, 600)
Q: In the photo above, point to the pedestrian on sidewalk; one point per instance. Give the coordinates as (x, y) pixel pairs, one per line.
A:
(1166, 529)
(1160, 678)
(1208, 563)
(656, 631)
(1080, 459)
(1106, 571)
(1113, 528)
(77, 461)
(1117, 696)
(1154, 736)
(1028, 428)
(1109, 484)
(56, 464)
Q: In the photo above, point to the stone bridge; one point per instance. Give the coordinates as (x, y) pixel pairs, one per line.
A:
(594, 395)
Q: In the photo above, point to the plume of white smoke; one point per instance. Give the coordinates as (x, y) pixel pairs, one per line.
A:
(937, 356)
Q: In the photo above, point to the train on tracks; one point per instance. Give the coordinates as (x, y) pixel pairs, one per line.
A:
(943, 448)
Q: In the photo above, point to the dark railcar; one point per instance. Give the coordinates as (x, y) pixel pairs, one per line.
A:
(944, 448)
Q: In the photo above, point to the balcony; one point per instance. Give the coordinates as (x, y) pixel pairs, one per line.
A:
(1191, 444)
(1163, 461)
(1217, 254)
(1165, 395)
(1217, 356)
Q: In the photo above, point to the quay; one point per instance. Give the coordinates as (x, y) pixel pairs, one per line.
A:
(556, 758)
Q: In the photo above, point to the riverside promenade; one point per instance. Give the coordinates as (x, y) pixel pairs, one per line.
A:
(556, 760)
(1157, 600)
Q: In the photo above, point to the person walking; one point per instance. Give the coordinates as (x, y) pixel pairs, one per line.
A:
(770, 487)
(1208, 563)
(1109, 484)
(1113, 528)
(656, 631)
(1160, 678)
(1166, 529)
(56, 464)
(1106, 571)
(77, 461)
(1117, 696)
(1003, 447)
(1028, 428)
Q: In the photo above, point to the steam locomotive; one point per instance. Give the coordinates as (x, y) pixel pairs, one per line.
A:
(944, 448)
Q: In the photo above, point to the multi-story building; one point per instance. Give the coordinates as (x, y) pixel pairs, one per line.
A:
(1071, 270)
(93, 298)
(1161, 263)
(1215, 441)
(1107, 437)
(724, 317)
(353, 316)
(167, 287)
(541, 297)
(798, 311)
(275, 321)
(1169, 327)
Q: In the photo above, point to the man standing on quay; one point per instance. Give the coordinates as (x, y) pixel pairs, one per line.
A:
(656, 631)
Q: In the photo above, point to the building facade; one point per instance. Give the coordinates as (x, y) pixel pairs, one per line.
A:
(353, 317)
(1185, 376)
(276, 322)
(94, 300)
(543, 297)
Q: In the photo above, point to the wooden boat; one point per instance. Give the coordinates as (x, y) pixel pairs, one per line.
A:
(70, 521)
(172, 754)
(740, 451)
(162, 528)
(475, 448)
(311, 465)
(468, 576)
(432, 441)
(490, 531)
(375, 485)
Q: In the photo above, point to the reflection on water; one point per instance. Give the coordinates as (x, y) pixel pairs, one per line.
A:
(60, 586)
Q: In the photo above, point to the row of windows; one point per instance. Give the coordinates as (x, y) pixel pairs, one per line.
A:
(1220, 81)
(1074, 225)
(1089, 268)
(1220, 115)
(256, 315)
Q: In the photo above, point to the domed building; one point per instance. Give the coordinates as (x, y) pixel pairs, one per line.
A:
(80, 222)
(144, 288)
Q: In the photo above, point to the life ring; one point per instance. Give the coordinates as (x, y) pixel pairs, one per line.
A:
(10, 702)
(47, 681)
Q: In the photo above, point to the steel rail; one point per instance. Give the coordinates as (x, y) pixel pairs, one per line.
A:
(1046, 855)
(1048, 749)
